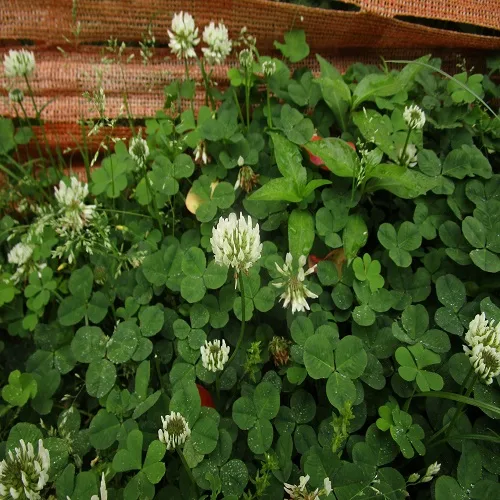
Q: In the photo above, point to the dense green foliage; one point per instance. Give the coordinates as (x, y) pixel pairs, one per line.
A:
(103, 325)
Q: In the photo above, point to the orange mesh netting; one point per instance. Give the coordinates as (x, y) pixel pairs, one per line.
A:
(484, 13)
(69, 36)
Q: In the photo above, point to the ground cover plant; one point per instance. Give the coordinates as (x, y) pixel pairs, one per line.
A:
(290, 292)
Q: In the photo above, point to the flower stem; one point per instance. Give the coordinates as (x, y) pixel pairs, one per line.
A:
(243, 319)
(217, 386)
(247, 97)
(186, 466)
(269, 117)
(208, 93)
(402, 157)
(460, 407)
(446, 428)
(42, 126)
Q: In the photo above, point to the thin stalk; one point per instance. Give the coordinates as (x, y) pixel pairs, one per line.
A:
(186, 68)
(153, 199)
(10, 174)
(247, 97)
(240, 112)
(243, 319)
(37, 142)
(269, 117)
(42, 126)
(125, 212)
(408, 401)
(186, 466)
(461, 405)
(402, 157)
(208, 93)
(217, 386)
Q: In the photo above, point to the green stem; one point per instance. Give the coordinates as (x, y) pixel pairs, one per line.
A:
(186, 466)
(247, 97)
(124, 212)
(153, 199)
(269, 117)
(457, 414)
(37, 142)
(186, 67)
(408, 401)
(42, 126)
(217, 386)
(10, 174)
(402, 156)
(240, 112)
(208, 92)
(243, 319)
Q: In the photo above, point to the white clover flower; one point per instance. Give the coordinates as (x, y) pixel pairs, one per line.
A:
(409, 158)
(200, 153)
(138, 149)
(486, 362)
(236, 243)
(246, 58)
(219, 45)
(19, 63)
(299, 492)
(296, 291)
(74, 212)
(22, 474)
(183, 37)
(175, 430)
(247, 179)
(483, 339)
(482, 331)
(16, 95)
(241, 161)
(103, 492)
(20, 254)
(327, 486)
(214, 355)
(431, 471)
(414, 117)
(414, 477)
(268, 68)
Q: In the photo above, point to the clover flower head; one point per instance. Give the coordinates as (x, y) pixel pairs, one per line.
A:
(183, 37)
(19, 63)
(24, 474)
(483, 349)
(486, 362)
(74, 212)
(214, 355)
(268, 68)
(103, 492)
(138, 149)
(296, 292)
(246, 58)
(219, 45)
(200, 153)
(175, 430)
(247, 179)
(414, 117)
(482, 331)
(300, 492)
(327, 486)
(236, 243)
(16, 95)
(20, 254)
(431, 471)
